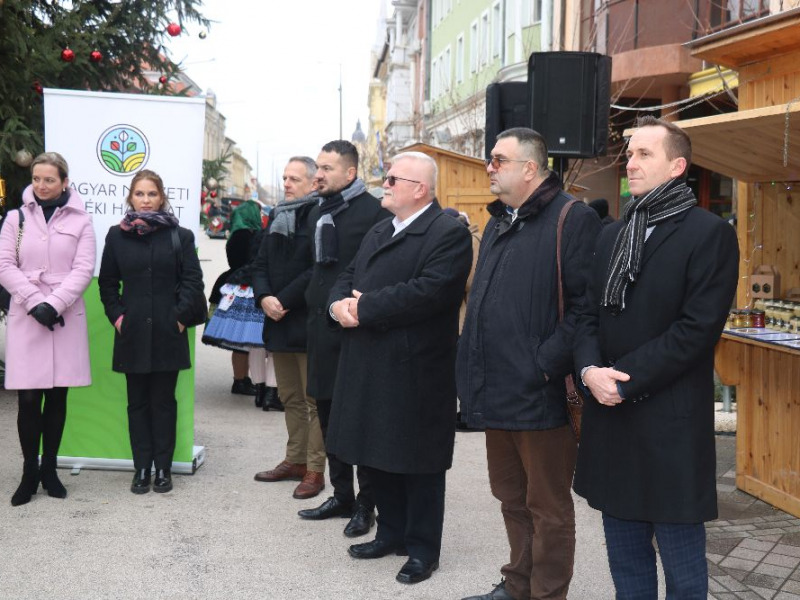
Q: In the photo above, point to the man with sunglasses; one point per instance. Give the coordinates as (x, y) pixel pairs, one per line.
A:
(513, 356)
(395, 398)
(345, 213)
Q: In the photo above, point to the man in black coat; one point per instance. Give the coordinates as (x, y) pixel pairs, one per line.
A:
(346, 212)
(662, 284)
(281, 273)
(395, 399)
(513, 356)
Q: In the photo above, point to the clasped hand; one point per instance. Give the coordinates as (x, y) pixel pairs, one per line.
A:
(46, 315)
(273, 308)
(602, 382)
(346, 310)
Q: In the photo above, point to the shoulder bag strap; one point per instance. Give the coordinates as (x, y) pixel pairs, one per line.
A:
(572, 394)
(19, 232)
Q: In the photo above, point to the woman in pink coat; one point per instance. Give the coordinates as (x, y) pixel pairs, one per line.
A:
(47, 345)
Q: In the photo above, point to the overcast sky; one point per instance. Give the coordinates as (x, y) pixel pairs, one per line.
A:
(274, 67)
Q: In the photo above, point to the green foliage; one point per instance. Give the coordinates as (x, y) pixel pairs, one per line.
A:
(130, 34)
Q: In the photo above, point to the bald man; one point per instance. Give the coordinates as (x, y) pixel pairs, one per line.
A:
(395, 397)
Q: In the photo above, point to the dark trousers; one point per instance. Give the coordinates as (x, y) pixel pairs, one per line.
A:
(530, 472)
(410, 511)
(152, 417)
(632, 558)
(341, 473)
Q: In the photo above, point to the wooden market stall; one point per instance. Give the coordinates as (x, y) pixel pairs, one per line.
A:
(760, 147)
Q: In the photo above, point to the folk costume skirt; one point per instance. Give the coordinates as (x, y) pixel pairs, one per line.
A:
(236, 324)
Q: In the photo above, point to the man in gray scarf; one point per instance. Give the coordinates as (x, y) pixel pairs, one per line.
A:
(658, 295)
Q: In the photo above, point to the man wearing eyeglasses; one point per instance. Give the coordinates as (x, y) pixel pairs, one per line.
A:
(513, 356)
(345, 213)
(394, 403)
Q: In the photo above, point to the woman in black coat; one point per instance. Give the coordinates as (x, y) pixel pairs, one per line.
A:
(150, 314)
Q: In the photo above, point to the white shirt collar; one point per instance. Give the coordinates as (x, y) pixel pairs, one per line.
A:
(400, 225)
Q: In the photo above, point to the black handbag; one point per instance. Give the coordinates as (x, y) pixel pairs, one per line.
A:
(199, 307)
(5, 295)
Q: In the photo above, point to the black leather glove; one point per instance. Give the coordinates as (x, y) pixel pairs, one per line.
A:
(46, 315)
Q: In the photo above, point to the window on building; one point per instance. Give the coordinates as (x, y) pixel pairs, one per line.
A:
(434, 78)
(484, 45)
(460, 58)
(497, 29)
(725, 13)
(474, 45)
(536, 11)
(447, 70)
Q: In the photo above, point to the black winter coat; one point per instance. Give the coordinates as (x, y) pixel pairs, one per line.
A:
(511, 334)
(282, 269)
(323, 340)
(652, 457)
(145, 268)
(394, 407)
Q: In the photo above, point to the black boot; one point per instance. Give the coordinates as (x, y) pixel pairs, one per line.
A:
(261, 393)
(50, 480)
(272, 401)
(28, 486)
(243, 386)
(141, 481)
(163, 481)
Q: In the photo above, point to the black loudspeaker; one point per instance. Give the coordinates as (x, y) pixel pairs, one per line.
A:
(570, 98)
(506, 106)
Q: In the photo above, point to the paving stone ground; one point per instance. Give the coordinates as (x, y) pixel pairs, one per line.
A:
(753, 549)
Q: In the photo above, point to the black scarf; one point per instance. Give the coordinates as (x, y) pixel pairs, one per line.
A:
(657, 205)
(325, 238)
(50, 206)
(541, 197)
(144, 223)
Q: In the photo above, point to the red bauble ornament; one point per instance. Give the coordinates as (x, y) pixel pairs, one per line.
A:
(95, 56)
(203, 195)
(162, 80)
(37, 87)
(213, 193)
(173, 29)
(67, 55)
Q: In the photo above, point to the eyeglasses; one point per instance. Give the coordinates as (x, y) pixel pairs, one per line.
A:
(496, 161)
(392, 179)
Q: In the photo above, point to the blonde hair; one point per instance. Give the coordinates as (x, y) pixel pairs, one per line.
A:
(53, 159)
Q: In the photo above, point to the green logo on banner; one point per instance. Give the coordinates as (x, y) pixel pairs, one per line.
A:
(123, 150)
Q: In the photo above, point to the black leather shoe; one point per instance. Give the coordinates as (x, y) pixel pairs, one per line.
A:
(498, 593)
(163, 481)
(141, 481)
(272, 401)
(361, 522)
(261, 392)
(330, 508)
(244, 387)
(376, 549)
(416, 570)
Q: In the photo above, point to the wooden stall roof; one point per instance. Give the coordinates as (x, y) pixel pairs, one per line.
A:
(750, 42)
(748, 145)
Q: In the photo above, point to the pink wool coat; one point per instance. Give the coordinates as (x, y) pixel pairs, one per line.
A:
(56, 265)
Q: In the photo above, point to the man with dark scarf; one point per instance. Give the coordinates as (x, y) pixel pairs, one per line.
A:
(662, 281)
(345, 213)
(513, 356)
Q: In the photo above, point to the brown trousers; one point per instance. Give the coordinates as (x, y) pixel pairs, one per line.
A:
(305, 445)
(530, 472)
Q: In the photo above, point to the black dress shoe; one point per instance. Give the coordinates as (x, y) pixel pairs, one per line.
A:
(416, 570)
(244, 387)
(163, 481)
(141, 481)
(330, 508)
(261, 392)
(376, 549)
(271, 400)
(361, 522)
(498, 593)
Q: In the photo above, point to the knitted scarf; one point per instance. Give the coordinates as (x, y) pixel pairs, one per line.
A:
(144, 223)
(284, 215)
(657, 205)
(325, 238)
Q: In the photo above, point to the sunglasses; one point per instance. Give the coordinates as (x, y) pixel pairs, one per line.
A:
(496, 161)
(392, 179)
